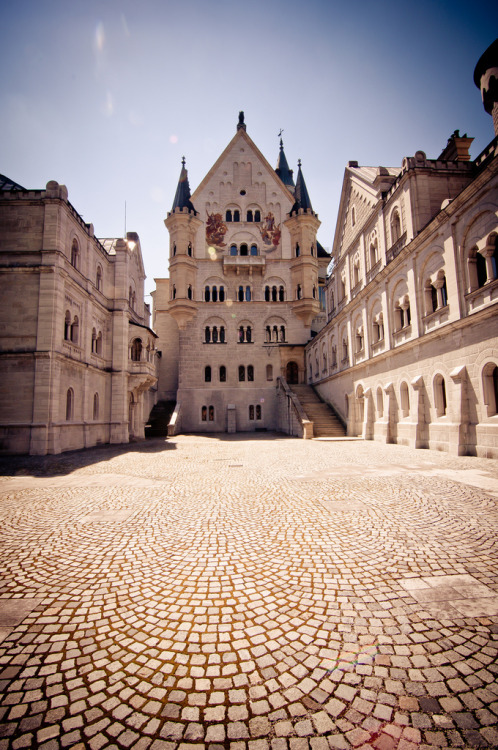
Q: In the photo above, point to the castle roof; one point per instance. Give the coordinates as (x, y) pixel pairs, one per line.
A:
(182, 196)
(301, 193)
(282, 168)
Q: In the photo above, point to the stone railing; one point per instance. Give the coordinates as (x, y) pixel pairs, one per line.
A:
(175, 421)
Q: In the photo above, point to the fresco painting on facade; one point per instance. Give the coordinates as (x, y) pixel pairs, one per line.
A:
(215, 230)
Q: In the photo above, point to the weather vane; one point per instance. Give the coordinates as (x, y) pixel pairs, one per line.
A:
(281, 131)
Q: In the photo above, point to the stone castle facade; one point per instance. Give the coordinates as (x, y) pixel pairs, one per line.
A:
(246, 276)
(77, 356)
(401, 338)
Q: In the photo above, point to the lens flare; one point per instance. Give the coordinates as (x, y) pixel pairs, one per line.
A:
(173, 139)
(99, 37)
(212, 252)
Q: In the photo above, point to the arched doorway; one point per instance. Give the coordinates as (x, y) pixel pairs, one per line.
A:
(292, 373)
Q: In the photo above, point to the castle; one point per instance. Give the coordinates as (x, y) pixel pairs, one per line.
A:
(400, 338)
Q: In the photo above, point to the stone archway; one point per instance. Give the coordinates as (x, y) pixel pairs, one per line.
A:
(292, 373)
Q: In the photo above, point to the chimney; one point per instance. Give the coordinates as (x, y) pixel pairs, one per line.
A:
(457, 148)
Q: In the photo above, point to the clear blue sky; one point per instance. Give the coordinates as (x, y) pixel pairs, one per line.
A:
(106, 97)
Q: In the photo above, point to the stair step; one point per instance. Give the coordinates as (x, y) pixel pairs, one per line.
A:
(325, 422)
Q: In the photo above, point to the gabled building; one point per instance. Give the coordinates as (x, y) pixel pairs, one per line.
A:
(77, 356)
(410, 351)
(243, 294)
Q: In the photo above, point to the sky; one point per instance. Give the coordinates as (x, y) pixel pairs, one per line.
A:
(106, 96)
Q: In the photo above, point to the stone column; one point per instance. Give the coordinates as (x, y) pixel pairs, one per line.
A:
(459, 415)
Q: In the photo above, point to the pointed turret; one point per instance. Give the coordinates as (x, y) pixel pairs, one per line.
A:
(301, 193)
(303, 225)
(182, 195)
(182, 223)
(283, 170)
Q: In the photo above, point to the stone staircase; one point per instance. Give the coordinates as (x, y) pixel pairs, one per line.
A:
(157, 425)
(325, 422)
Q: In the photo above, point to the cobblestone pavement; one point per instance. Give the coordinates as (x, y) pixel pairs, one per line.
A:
(252, 592)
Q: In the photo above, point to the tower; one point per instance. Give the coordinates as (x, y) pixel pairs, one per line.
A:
(182, 223)
(486, 79)
(303, 225)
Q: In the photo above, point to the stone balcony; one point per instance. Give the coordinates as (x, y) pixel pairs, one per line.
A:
(244, 264)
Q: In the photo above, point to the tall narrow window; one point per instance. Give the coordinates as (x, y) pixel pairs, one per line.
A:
(228, 215)
(75, 251)
(215, 334)
(258, 411)
(95, 405)
(98, 278)
(395, 226)
(69, 404)
(267, 293)
(248, 334)
(75, 325)
(233, 249)
(274, 294)
(222, 334)
(67, 326)
(136, 350)
(281, 294)
(215, 294)
(241, 294)
(254, 249)
(243, 249)
(251, 412)
(207, 335)
(248, 293)
(189, 292)
(282, 333)
(257, 215)
(249, 215)
(236, 215)
(268, 334)
(207, 294)
(298, 250)
(250, 373)
(242, 373)
(405, 400)
(94, 341)
(223, 374)
(269, 372)
(211, 413)
(189, 249)
(207, 374)
(204, 414)
(98, 344)
(299, 292)
(222, 294)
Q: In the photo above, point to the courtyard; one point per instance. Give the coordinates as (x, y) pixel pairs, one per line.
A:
(256, 592)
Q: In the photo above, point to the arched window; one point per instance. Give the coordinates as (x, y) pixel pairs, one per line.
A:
(395, 226)
(258, 411)
(257, 215)
(267, 293)
(204, 414)
(207, 374)
(440, 395)
(373, 254)
(95, 405)
(228, 215)
(189, 249)
(243, 249)
(480, 263)
(189, 291)
(98, 278)
(215, 334)
(344, 350)
(298, 250)
(254, 249)
(207, 335)
(314, 291)
(240, 295)
(274, 294)
(298, 291)
(268, 334)
(222, 334)
(249, 215)
(248, 334)
(222, 294)
(248, 293)
(173, 294)
(174, 248)
(275, 334)
(250, 373)
(215, 294)
(75, 253)
(269, 372)
(75, 326)
(94, 341)
(281, 294)
(69, 404)
(67, 326)
(236, 215)
(233, 249)
(136, 350)
(282, 333)
(312, 249)
(405, 400)
(207, 294)
(242, 373)
(223, 374)
(211, 413)
(251, 412)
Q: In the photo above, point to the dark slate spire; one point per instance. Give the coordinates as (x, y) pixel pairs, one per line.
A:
(282, 168)
(182, 197)
(301, 193)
